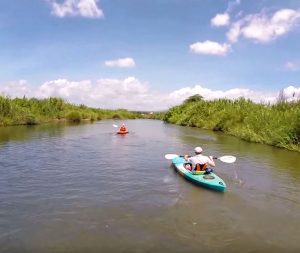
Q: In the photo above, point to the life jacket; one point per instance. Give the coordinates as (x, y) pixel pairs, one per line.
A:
(200, 167)
(123, 129)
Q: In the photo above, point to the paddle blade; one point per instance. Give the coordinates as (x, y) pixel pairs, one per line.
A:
(227, 159)
(115, 125)
(170, 156)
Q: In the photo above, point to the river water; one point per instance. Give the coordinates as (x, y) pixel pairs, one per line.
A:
(83, 188)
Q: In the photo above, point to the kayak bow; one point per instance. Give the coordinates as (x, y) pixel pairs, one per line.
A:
(123, 132)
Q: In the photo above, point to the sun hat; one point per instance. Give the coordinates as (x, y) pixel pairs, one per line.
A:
(198, 149)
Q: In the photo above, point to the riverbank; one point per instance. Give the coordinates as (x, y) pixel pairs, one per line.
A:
(277, 125)
(25, 111)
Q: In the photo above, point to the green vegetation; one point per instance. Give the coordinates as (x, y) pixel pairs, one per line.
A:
(24, 111)
(277, 125)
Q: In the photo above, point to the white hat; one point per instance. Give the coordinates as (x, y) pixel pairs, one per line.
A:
(198, 149)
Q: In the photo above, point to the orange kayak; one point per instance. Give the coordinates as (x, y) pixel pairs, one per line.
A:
(123, 132)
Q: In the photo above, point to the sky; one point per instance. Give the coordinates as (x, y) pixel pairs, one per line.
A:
(149, 55)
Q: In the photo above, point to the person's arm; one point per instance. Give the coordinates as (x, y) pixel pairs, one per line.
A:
(211, 161)
(186, 157)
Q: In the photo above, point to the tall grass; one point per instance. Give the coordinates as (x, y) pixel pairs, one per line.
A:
(277, 125)
(30, 111)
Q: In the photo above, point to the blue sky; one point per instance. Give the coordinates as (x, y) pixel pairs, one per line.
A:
(149, 55)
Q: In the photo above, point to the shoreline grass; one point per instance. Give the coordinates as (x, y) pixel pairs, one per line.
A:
(277, 125)
(32, 111)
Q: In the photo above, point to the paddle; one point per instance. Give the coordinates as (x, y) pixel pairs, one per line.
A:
(225, 159)
(115, 125)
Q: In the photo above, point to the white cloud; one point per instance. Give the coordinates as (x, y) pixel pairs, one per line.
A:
(132, 94)
(220, 20)
(105, 93)
(290, 94)
(210, 47)
(234, 32)
(76, 91)
(262, 27)
(128, 93)
(292, 66)
(17, 89)
(121, 63)
(84, 8)
(209, 94)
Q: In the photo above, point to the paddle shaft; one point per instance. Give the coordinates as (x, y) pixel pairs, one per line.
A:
(226, 159)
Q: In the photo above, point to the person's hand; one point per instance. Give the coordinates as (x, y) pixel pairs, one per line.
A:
(186, 157)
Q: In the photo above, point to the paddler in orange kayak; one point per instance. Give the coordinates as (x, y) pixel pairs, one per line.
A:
(123, 128)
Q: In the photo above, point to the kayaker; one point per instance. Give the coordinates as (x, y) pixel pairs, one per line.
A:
(123, 128)
(200, 162)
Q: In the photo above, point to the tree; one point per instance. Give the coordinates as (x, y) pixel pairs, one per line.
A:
(194, 98)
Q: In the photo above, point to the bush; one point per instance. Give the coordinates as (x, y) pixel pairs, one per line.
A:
(74, 116)
(116, 116)
(21, 111)
(277, 125)
(30, 120)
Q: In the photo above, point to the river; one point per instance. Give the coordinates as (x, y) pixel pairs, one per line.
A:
(83, 188)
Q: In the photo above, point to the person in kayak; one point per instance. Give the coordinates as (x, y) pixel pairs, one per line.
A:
(123, 128)
(200, 162)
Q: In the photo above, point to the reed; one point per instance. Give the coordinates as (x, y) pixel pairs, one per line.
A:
(31, 111)
(277, 125)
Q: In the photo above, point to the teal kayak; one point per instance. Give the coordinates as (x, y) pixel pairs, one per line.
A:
(211, 180)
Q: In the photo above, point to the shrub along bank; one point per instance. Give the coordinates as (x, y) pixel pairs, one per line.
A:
(24, 111)
(277, 125)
